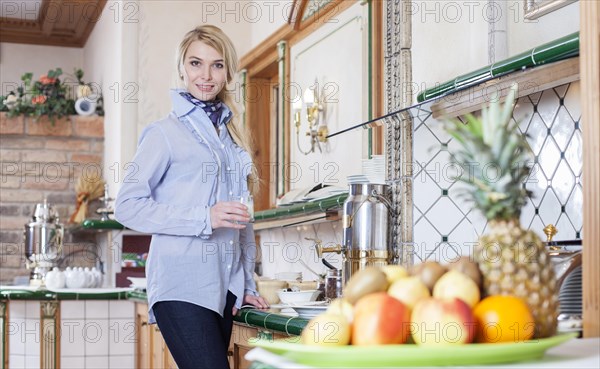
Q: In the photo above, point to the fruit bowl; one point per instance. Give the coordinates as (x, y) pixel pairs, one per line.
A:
(409, 355)
(294, 297)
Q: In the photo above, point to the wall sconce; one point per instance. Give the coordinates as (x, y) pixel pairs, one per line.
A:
(317, 128)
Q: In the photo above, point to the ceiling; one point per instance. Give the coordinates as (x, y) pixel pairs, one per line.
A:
(49, 22)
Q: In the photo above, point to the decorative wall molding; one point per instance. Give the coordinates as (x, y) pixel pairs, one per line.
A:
(50, 349)
(398, 134)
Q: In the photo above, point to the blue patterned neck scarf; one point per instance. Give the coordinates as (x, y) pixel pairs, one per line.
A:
(212, 108)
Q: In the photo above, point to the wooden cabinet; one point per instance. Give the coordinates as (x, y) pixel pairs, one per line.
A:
(151, 350)
(239, 347)
(142, 350)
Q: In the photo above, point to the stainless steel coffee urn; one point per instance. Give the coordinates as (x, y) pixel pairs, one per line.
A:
(365, 240)
(43, 242)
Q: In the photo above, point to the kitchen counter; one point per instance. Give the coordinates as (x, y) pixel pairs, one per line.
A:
(262, 319)
(39, 293)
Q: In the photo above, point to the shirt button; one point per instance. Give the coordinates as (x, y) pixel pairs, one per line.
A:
(222, 146)
(231, 242)
(228, 168)
(229, 267)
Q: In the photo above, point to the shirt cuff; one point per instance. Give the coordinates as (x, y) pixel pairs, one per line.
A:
(250, 292)
(205, 224)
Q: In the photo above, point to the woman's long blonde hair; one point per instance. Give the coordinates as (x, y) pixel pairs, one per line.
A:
(217, 39)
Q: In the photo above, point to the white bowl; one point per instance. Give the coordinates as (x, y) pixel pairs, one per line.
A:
(292, 297)
(137, 282)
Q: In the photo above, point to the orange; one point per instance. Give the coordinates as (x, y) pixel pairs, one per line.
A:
(503, 318)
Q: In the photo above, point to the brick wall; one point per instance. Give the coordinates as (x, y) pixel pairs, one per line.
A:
(43, 160)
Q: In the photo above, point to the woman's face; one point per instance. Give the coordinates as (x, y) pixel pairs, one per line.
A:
(204, 71)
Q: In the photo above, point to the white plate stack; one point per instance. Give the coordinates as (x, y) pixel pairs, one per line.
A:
(373, 171)
(571, 294)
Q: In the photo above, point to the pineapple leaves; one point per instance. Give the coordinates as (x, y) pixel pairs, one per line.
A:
(493, 154)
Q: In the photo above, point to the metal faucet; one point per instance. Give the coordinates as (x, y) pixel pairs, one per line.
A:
(338, 249)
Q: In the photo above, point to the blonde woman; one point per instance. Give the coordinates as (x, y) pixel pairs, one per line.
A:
(186, 168)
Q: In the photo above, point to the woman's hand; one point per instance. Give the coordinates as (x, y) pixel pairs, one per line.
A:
(224, 215)
(257, 301)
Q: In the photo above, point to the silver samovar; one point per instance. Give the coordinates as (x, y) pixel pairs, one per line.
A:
(366, 240)
(43, 242)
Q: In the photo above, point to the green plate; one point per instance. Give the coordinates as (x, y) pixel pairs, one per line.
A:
(409, 354)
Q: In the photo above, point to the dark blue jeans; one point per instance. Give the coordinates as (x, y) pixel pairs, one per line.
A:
(197, 337)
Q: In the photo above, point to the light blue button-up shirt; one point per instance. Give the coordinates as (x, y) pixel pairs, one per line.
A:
(182, 167)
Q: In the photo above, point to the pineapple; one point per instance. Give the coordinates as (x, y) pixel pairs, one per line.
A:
(513, 261)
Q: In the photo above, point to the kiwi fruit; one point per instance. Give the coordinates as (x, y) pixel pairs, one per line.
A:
(364, 282)
(467, 266)
(429, 272)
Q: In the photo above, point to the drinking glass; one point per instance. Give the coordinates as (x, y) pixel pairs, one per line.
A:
(245, 198)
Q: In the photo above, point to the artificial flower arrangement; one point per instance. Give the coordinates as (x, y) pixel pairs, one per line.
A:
(48, 96)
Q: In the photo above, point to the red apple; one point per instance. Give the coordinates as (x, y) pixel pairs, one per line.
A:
(380, 319)
(442, 322)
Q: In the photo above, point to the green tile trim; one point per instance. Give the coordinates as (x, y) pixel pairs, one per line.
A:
(13, 294)
(303, 208)
(559, 49)
(137, 296)
(271, 321)
(101, 224)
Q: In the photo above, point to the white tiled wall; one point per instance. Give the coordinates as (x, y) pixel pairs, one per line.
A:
(97, 334)
(93, 334)
(446, 226)
(24, 334)
(283, 248)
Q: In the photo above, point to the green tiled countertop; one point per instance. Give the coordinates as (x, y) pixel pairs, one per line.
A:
(271, 321)
(137, 296)
(101, 224)
(15, 293)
